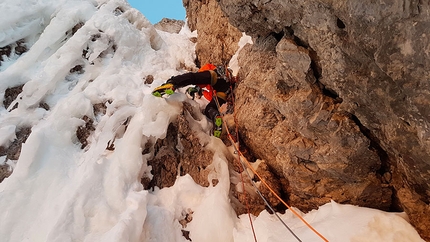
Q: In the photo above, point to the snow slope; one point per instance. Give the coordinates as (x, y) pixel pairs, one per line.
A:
(60, 192)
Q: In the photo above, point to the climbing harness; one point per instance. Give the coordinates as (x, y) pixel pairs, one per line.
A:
(235, 145)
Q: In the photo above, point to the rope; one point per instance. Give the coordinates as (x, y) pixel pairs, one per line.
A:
(267, 203)
(247, 203)
(267, 185)
(243, 167)
(249, 176)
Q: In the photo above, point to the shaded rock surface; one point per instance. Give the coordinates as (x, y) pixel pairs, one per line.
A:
(5, 172)
(169, 160)
(334, 96)
(12, 151)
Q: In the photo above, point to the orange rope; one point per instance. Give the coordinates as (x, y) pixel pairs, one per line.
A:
(241, 176)
(265, 183)
(247, 203)
(280, 199)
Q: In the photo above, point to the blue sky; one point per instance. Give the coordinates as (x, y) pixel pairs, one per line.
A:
(155, 10)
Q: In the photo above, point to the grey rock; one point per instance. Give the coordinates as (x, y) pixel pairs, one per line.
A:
(334, 96)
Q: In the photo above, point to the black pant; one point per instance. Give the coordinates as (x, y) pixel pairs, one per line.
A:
(203, 78)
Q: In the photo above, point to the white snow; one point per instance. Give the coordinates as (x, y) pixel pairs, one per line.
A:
(234, 63)
(60, 192)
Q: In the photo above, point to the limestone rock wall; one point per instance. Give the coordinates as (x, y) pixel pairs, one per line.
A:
(300, 132)
(170, 25)
(334, 96)
(217, 38)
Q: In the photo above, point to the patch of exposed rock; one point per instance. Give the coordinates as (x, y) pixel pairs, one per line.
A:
(13, 150)
(15, 49)
(180, 153)
(5, 172)
(334, 97)
(170, 25)
(184, 151)
(217, 39)
(10, 96)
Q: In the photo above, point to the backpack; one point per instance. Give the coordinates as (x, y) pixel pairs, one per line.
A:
(207, 67)
(221, 71)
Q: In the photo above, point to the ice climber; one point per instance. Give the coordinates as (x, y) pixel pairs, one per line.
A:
(209, 80)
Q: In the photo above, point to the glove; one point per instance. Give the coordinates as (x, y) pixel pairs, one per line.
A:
(193, 91)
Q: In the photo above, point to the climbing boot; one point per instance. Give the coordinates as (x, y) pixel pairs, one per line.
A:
(166, 88)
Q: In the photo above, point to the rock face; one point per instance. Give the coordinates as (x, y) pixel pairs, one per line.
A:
(187, 150)
(217, 38)
(320, 149)
(170, 25)
(169, 161)
(334, 96)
